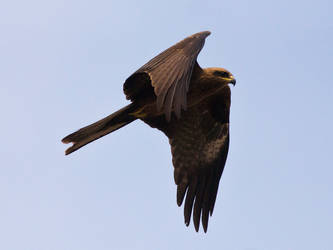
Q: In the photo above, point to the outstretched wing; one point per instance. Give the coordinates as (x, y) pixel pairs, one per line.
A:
(169, 73)
(199, 144)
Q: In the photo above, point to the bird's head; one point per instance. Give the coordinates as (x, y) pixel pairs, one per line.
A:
(221, 74)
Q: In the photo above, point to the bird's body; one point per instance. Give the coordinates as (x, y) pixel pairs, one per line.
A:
(191, 106)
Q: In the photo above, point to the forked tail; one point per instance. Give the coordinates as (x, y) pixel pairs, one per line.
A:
(98, 129)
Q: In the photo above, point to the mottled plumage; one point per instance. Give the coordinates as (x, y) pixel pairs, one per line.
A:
(191, 106)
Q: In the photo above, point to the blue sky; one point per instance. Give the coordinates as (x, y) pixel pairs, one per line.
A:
(62, 66)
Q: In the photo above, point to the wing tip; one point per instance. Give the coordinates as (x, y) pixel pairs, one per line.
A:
(206, 32)
(202, 34)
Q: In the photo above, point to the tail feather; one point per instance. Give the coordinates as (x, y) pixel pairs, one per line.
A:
(100, 128)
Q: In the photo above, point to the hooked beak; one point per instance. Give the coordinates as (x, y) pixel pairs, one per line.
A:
(233, 81)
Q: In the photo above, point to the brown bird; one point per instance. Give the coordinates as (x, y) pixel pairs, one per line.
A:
(191, 106)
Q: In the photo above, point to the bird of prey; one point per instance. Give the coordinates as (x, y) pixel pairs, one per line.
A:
(191, 106)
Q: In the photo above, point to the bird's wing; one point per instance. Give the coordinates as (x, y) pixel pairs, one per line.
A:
(169, 73)
(199, 145)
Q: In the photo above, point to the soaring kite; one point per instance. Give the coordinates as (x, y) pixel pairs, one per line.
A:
(191, 106)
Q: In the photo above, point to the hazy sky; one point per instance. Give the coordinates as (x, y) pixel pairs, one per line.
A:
(62, 66)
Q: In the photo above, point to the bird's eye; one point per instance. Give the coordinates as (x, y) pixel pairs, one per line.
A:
(221, 73)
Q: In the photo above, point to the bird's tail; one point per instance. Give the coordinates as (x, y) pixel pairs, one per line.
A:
(98, 129)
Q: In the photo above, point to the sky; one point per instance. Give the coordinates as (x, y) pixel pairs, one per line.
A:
(62, 66)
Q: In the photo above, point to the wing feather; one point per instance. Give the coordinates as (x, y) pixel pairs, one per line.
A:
(199, 145)
(190, 195)
(171, 70)
(198, 203)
